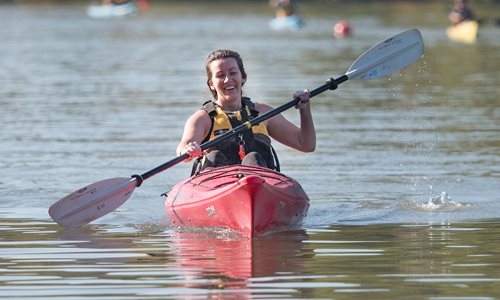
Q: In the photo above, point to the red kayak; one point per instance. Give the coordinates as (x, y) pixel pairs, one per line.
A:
(248, 200)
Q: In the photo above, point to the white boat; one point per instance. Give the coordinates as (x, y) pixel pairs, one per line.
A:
(292, 22)
(112, 10)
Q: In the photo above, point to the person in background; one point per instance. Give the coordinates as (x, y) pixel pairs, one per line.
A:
(228, 109)
(142, 4)
(460, 12)
(115, 2)
(284, 8)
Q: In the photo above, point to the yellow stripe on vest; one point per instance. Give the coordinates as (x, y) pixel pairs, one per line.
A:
(222, 124)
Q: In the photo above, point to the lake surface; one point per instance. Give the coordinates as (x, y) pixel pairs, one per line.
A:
(404, 184)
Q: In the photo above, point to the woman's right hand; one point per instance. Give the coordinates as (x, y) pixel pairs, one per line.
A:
(192, 149)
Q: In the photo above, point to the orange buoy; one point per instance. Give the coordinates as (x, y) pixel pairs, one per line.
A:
(342, 29)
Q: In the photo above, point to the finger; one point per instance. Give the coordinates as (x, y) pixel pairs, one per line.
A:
(307, 94)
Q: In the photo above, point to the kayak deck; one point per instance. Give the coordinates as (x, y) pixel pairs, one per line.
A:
(249, 200)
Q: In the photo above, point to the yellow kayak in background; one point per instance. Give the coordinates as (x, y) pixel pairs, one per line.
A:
(465, 32)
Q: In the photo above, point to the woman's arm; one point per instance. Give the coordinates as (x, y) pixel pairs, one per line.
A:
(195, 130)
(301, 138)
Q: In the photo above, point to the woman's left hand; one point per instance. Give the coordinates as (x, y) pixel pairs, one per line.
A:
(303, 97)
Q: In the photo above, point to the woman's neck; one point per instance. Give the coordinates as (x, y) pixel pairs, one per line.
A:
(233, 106)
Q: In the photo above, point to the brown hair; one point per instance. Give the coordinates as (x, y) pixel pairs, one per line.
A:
(220, 54)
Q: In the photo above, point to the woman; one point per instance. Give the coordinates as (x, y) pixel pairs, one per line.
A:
(225, 78)
(284, 8)
(114, 2)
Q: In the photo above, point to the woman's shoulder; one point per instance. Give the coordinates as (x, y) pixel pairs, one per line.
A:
(200, 116)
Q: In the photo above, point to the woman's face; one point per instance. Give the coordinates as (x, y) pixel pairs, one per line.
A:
(226, 79)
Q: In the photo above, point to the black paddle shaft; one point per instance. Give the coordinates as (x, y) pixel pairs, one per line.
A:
(331, 84)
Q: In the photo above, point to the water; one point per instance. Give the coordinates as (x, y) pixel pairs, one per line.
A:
(404, 184)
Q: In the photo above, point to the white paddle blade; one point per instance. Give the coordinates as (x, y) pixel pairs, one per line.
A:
(91, 202)
(388, 56)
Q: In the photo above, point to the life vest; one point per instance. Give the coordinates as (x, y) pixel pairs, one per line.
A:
(257, 139)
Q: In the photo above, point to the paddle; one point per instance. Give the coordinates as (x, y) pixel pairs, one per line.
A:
(100, 198)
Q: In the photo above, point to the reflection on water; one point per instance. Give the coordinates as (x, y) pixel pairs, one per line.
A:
(41, 261)
(402, 164)
(235, 257)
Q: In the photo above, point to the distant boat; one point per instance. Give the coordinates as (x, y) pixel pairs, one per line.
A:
(465, 32)
(112, 10)
(292, 22)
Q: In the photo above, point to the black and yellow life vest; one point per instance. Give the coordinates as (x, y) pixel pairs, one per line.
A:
(257, 139)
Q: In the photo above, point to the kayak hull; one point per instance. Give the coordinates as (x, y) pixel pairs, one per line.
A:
(249, 200)
(465, 32)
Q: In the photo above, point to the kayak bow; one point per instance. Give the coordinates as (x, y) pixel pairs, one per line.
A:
(249, 200)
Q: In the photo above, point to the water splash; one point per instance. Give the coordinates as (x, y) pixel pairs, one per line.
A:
(443, 202)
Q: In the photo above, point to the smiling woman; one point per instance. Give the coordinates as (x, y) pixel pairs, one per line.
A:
(226, 76)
